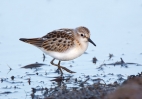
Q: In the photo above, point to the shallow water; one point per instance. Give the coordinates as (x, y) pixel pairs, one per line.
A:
(115, 28)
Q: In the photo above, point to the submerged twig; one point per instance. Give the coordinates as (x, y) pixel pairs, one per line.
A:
(35, 65)
(44, 57)
(9, 68)
(110, 56)
(122, 63)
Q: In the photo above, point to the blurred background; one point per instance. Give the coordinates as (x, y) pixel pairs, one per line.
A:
(115, 26)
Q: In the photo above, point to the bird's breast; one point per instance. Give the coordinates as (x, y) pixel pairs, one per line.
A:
(72, 53)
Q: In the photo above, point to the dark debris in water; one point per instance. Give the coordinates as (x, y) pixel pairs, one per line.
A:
(34, 65)
(94, 60)
(44, 57)
(110, 56)
(82, 89)
(58, 79)
(8, 92)
(29, 81)
(95, 91)
(122, 63)
(12, 77)
(129, 89)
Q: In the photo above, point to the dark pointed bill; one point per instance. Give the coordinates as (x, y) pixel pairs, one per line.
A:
(91, 41)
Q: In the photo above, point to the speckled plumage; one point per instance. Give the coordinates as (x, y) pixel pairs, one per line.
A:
(58, 41)
(63, 44)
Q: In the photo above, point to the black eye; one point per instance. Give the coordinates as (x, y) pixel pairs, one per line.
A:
(82, 35)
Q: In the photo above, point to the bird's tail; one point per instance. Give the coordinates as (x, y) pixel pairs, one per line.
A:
(34, 41)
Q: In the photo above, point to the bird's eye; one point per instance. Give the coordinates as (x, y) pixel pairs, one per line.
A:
(82, 35)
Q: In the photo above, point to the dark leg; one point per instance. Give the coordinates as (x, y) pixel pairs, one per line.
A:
(59, 67)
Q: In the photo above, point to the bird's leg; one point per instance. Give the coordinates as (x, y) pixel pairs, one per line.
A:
(61, 67)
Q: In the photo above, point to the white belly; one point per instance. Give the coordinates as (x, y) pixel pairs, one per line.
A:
(70, 54)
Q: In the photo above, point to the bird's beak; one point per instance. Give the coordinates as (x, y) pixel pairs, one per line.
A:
(89, 40)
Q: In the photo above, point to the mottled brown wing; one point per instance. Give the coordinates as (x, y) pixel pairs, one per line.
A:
(58, 40)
